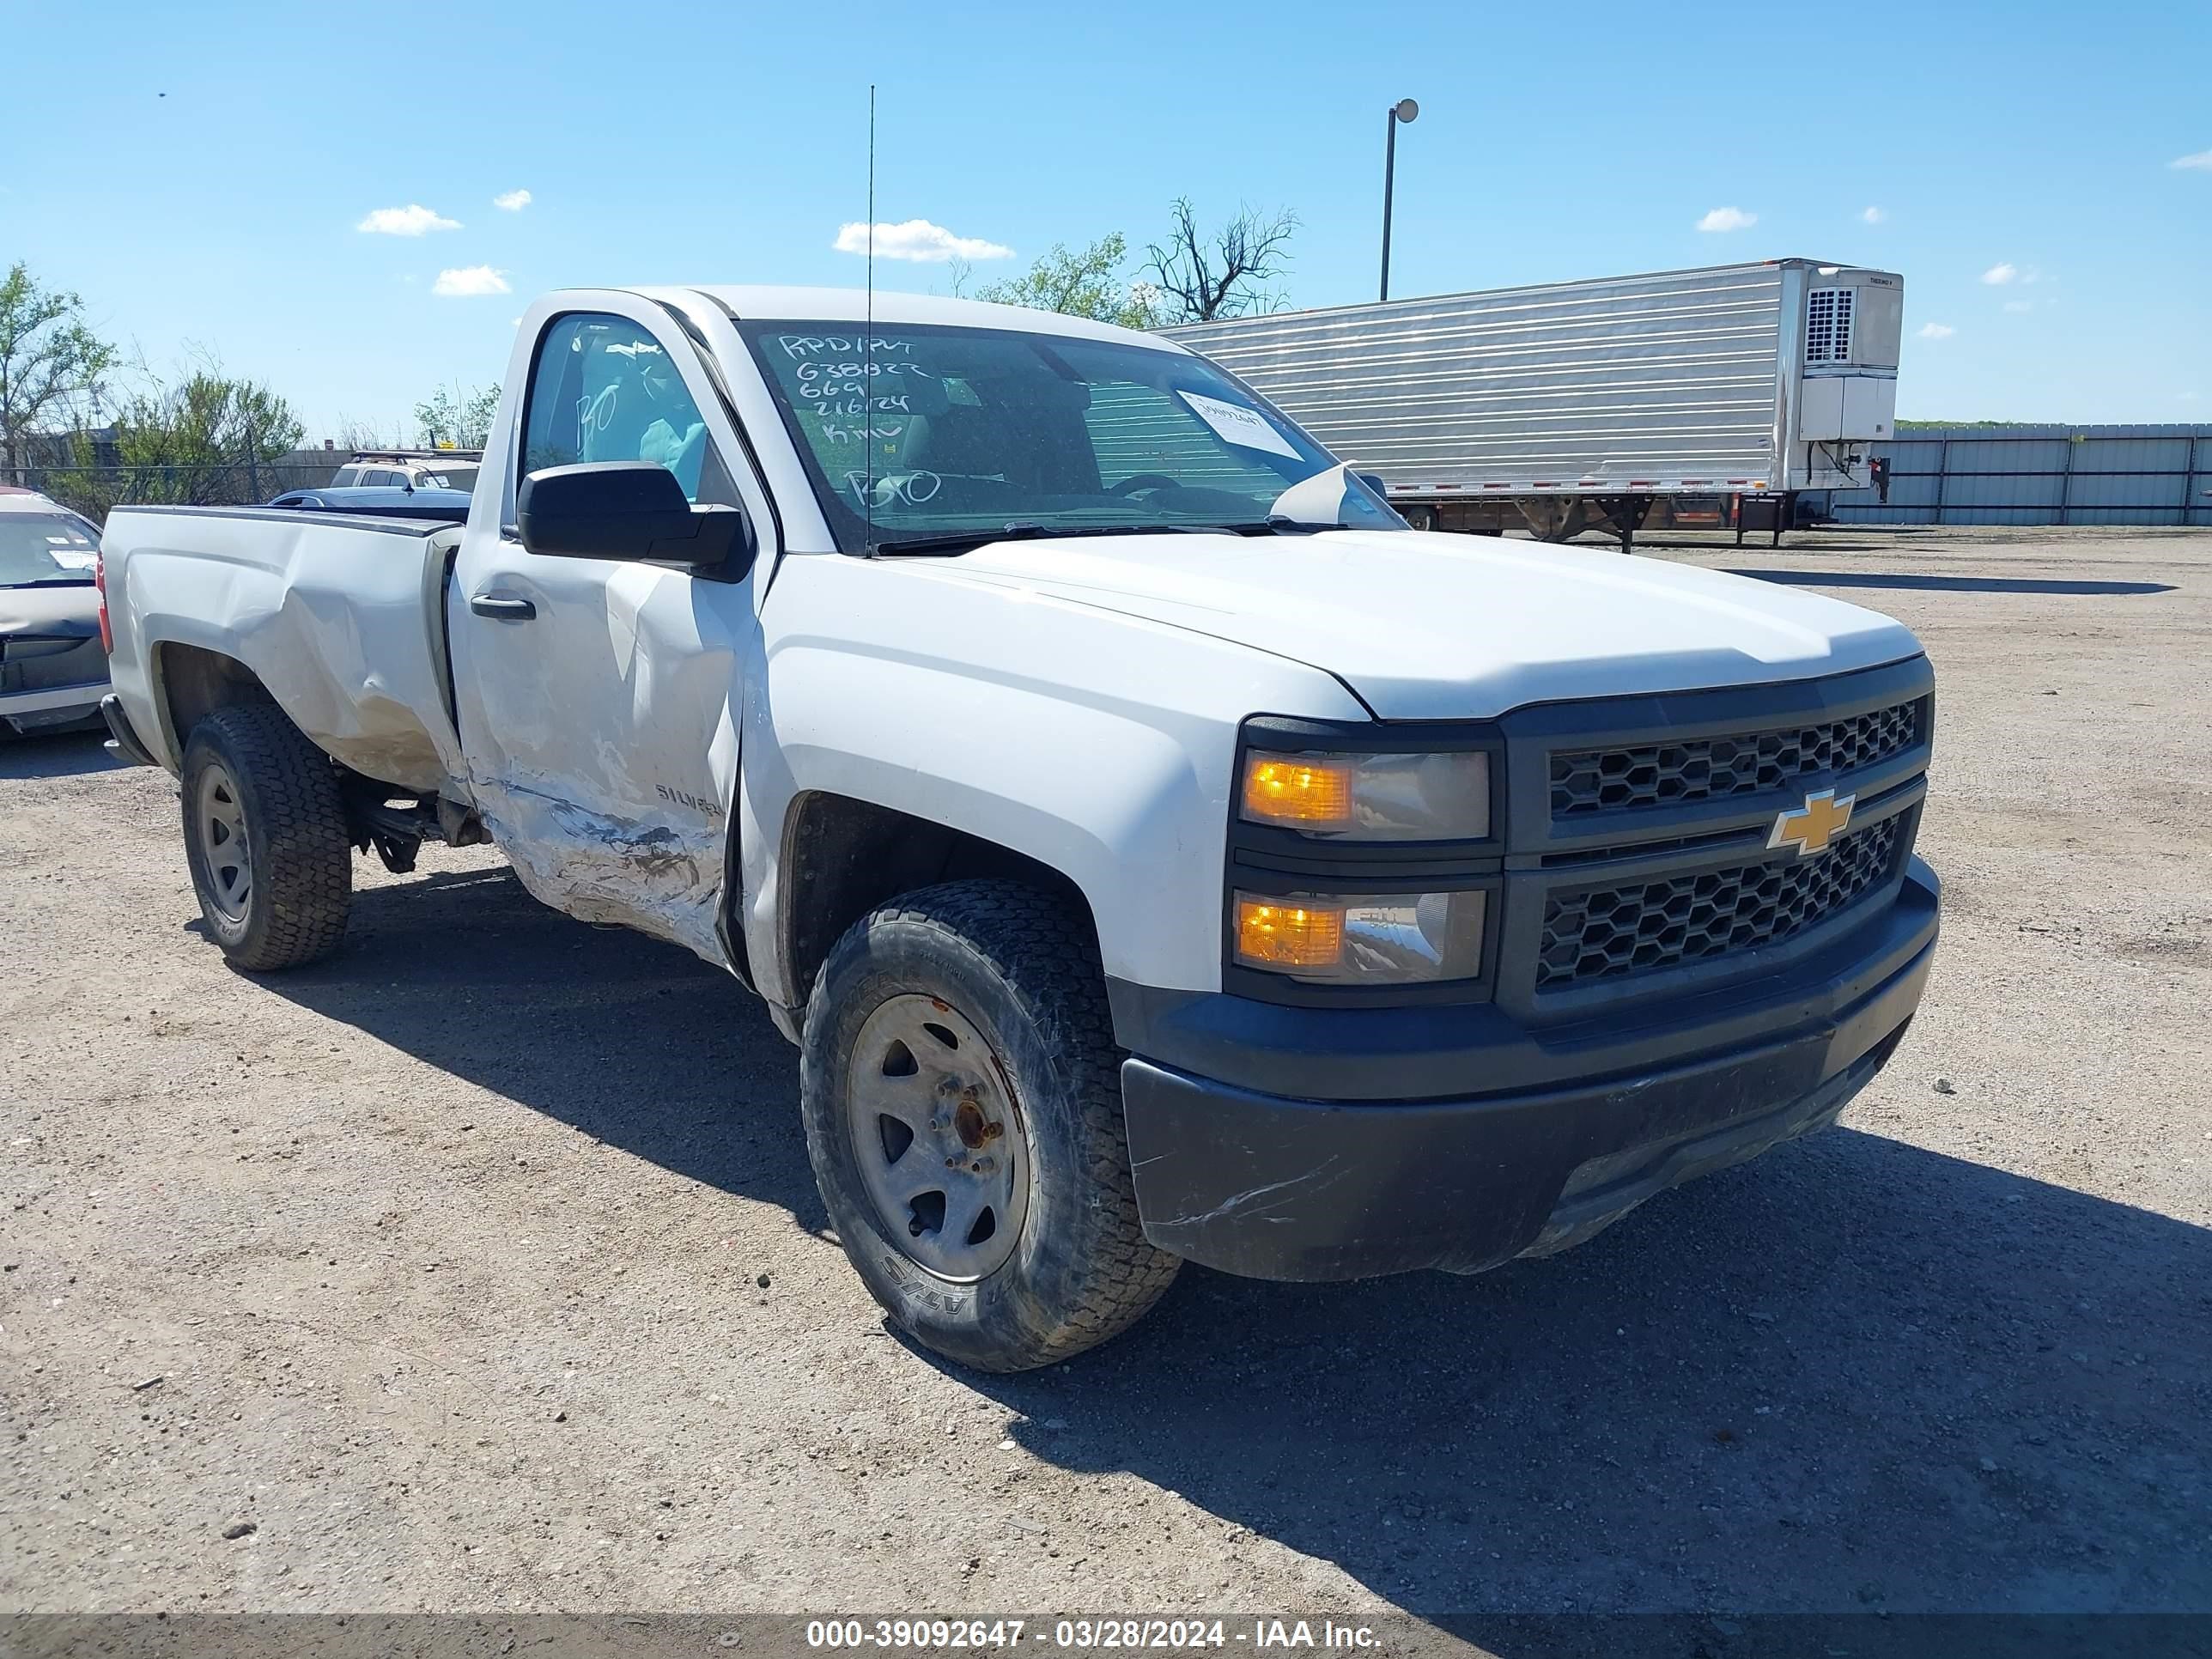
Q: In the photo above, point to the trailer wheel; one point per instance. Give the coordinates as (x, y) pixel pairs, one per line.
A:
(962, 1097)
(265, 839)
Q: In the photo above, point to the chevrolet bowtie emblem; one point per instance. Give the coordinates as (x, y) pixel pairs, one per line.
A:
(1813, 825)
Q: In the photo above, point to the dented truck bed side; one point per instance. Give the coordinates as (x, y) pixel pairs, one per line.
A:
(339, 617)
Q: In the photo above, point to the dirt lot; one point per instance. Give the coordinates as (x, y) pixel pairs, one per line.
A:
(481, 1266)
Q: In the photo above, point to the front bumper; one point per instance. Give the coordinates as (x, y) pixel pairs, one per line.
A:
(1275, 1186)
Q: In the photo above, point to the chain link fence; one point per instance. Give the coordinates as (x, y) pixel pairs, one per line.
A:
(92, 490)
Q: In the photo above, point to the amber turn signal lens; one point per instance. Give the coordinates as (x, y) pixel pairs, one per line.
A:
(1299, 790)
(1288, 936)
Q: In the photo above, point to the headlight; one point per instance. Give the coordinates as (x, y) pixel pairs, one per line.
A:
(1364, 939)
(1370, 796)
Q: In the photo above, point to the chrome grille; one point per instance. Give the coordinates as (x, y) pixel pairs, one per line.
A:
(1645, 927)
(1649, 775)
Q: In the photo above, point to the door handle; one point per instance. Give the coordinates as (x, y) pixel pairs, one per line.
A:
(500, 608)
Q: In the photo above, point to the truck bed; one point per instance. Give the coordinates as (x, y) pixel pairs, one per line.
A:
(340, 615)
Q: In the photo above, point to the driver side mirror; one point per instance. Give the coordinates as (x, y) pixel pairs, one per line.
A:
(628, 510)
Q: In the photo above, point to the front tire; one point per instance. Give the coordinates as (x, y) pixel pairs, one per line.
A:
(962, 1097)
(266, 837)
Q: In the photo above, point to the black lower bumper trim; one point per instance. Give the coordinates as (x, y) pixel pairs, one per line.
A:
(1273, 1188)
(121, 739)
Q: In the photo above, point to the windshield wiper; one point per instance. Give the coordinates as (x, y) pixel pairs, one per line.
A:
(54, 581)
(965, 541)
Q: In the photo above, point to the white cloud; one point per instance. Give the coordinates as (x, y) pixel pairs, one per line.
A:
(413, 220)
(1873, 216)
(1937, 331)
(2201, 162)
(2017, 306)
(1998, 276)
(469, 281)
(511, 201)
(1728, 218)
(917, 239)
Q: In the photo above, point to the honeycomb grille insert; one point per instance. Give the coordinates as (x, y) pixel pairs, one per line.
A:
(1648, 926)
(1707, 768)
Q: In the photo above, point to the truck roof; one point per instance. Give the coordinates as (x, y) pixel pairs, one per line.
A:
(754, 303)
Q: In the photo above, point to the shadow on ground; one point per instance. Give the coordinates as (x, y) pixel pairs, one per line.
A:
(1915, 580)
(1852, 1376)
(62, 754)
(622, 1036)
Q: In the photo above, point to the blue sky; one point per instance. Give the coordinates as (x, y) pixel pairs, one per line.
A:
(198, 173)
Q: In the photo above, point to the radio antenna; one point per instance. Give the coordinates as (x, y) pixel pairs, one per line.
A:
(868, 357)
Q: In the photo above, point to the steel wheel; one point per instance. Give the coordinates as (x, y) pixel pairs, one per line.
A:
(938, 1137)
(220, 823)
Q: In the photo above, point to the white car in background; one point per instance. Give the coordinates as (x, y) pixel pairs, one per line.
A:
(53, 664)
(408, 470)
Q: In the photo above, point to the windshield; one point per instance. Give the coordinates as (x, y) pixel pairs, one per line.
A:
(451, 478)
(45, 547)
(948, 430)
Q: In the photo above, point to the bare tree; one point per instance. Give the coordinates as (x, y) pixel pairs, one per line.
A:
(353, 433)
(50, 362)
(1201, 277)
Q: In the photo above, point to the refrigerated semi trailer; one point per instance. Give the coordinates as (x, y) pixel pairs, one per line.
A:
(1713, 396)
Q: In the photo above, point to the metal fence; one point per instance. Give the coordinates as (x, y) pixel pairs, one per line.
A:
(2146, 475)
(92, 490)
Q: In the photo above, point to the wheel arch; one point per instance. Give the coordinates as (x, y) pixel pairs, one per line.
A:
(191, 681)
(841, 857)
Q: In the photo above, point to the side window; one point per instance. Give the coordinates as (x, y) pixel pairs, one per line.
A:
(603, 389)
(348, 477)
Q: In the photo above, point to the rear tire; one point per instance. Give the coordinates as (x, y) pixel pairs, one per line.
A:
(889, 1072)
(266, 837)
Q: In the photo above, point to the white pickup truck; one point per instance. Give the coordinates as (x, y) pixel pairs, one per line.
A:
(1158, 849)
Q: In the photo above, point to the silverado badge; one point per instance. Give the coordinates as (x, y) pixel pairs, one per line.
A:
(1813, 825)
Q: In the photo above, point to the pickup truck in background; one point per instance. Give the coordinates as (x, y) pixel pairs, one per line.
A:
(1158, 849)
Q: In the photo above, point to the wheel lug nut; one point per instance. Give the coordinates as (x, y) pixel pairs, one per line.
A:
(984, 1165)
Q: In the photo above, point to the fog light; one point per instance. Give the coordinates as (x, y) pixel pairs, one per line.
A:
(1301, 935)
(1379, 938)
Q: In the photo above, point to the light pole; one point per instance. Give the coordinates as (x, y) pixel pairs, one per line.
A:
(1404, 110)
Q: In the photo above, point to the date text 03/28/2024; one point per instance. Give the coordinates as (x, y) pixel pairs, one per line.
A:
(1085, 1635)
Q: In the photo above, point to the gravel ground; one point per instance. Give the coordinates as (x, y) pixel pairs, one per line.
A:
(481, 1267)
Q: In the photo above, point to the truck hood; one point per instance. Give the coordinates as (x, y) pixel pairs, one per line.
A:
(1428, 625)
